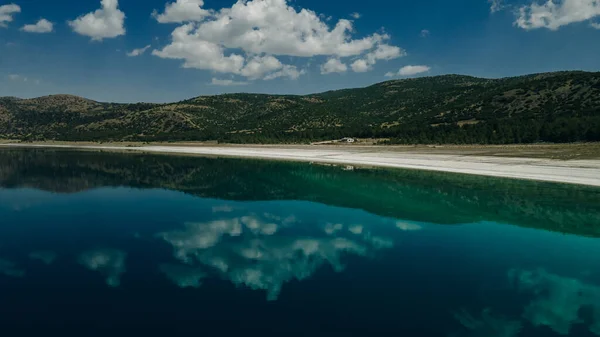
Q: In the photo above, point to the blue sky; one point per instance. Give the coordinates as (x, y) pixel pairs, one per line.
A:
(280, 46)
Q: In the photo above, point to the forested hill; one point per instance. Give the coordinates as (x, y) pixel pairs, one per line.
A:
(554, 107)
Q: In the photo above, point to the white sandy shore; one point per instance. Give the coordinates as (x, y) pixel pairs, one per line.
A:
(584, 172)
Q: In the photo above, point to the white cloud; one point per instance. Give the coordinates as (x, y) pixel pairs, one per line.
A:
(360, 66)
(333, 65)
(273, 27)
(107, 22)
(496, 5)
(356, 15)
(109, 262)
(42, 26)
(199, 54)
(17, 78)
(21, 78)
(259, 66)
(288, 71)
(382, 52)
(7, 12)
(182, 11)
(425, 33)
(595, 25)
(44, 256)
(247, 38)
(553, 15)
(409, 71)
(138, 51)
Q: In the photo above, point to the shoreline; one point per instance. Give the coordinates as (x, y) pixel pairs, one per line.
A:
(581, 172)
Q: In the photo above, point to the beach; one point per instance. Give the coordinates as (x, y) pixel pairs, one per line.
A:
(575, 171)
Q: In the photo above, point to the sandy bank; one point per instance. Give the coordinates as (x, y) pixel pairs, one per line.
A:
(584, 172)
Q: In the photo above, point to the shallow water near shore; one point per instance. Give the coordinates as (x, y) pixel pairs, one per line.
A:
(95, 243)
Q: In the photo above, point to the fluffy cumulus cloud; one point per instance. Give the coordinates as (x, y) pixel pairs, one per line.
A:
(138, 51)
(108, 262)
(7, 12)
(558, 301)
(249, 38)
(553, 15)
(226, 83)
(595, 25)
(382, 52)
(409, 71)
(360, 66)
(287, 71)
(106, 22)
(260, 66)
(425, 33)
(356, 15)
(42, 26)
(250, 251)
(182, 11)
(199, 54)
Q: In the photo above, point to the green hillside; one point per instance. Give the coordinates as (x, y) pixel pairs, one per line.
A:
(552, 107)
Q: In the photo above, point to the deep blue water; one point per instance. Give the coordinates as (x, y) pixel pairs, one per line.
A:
(117, 244)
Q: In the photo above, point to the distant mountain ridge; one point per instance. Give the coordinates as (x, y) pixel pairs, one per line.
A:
(556, 107)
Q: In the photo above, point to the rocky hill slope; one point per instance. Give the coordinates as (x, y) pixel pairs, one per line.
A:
(557, 107)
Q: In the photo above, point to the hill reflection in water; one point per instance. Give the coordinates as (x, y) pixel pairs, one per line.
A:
(403, 194)
(207, 246)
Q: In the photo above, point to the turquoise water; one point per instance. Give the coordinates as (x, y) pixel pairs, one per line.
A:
(96, 243)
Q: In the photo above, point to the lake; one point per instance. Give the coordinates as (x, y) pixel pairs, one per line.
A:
(97, 243)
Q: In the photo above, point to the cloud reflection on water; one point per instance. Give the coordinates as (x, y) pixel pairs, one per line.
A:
(250, 251)
(109, 262)
(408, 226)
(183, 276)
(557, 300)
(355, 229)
(46, 257)
(487, 324)
(9, 268)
